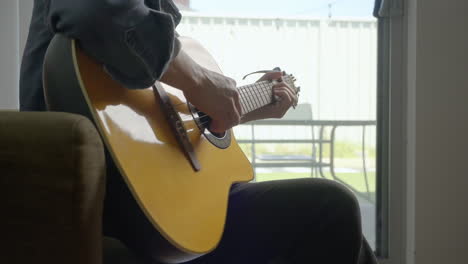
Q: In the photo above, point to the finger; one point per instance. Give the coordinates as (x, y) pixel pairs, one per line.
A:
(229, 119)
(285, 95)
(286, 87)
(280, 109)
(280, 87)
(217, 126)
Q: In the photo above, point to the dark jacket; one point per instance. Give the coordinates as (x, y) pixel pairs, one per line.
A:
(134, 39)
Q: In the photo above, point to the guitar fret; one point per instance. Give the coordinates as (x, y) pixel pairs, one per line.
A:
(246, 100)
(252, 99)
(249, 101)
(259, 91)
(256, 97)
(243, 106)
(266, 90)
(261, 94)
(265, 95)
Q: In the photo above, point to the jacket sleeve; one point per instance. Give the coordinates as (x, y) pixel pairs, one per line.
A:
(134, 40)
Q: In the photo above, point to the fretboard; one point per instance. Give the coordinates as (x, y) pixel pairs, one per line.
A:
(255, 96)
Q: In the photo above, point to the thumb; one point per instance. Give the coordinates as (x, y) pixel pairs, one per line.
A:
(217, 126)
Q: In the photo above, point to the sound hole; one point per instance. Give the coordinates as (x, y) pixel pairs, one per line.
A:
(203, 121)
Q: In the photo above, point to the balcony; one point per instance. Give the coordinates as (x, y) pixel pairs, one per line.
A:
(298, 146)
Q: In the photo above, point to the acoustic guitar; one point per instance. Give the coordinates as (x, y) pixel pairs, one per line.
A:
(178, 171)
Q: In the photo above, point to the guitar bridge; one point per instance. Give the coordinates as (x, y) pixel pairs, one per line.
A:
(177, 126)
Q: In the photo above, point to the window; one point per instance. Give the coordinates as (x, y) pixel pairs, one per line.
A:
(332, 49)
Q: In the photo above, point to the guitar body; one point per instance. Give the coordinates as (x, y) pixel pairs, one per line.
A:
(185, 205)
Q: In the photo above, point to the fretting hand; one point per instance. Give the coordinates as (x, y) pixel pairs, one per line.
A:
(286, 98)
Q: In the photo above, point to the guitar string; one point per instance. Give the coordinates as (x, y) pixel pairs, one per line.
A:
(254, 85)
(245, 107)
(263, 89)
(254, 105)
(249, 104)
(206, 122)
(263, 92)
(251, 96)
(258, 85)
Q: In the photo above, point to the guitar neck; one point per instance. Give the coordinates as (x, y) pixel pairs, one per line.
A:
(259, 94)
(255, 96)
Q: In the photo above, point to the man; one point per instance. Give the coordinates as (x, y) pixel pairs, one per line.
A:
(296, 221)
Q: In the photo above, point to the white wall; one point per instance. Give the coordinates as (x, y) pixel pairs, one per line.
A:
(438, 131)
(14, 23)
(334, 60)
(9, 54)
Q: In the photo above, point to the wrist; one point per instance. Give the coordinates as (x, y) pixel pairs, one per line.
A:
(199, 78)
(185, 74)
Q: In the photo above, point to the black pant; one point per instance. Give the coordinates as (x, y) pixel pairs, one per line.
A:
(288, 221)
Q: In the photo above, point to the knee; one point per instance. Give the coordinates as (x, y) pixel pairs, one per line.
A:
(330, 195)
(344, 193)
(342, 200)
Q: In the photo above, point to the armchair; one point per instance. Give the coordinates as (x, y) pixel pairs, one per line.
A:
(52, 179)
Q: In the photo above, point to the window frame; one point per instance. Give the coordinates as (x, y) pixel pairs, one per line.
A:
(392, 207)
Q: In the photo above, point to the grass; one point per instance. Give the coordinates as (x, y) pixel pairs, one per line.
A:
(346, 155)
(355, 180)
(342, 149)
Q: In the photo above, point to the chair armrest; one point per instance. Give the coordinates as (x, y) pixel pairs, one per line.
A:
(52, 176)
